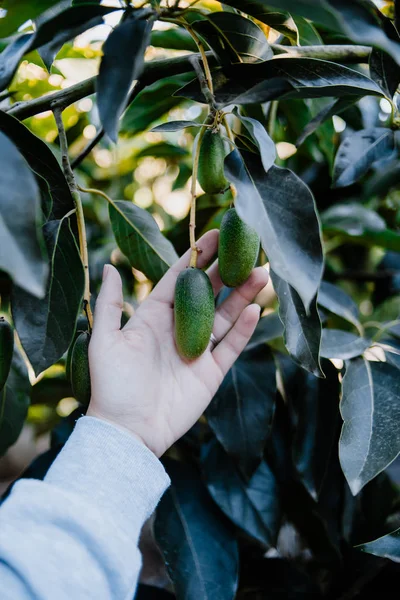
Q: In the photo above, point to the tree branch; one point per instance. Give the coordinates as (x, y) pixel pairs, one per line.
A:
(158, 69)
(69, 176)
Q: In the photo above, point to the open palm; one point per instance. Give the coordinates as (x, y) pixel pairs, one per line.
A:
(139, 381)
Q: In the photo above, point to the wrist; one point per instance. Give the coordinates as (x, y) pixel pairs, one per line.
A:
(93, 412)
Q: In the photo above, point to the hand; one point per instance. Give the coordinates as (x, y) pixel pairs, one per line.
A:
(139, 381)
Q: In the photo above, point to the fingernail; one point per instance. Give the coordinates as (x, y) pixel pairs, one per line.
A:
(105, 272)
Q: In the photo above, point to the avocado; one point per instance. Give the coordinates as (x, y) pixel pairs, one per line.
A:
(210, 172)
(6, 350)
(238, 249)
(82, 324)
(194, 312)
(80, 373)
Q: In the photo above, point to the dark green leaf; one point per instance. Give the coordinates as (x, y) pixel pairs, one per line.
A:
(287, 77)
(163, 149)
(21, 253)
(139, 238)
(359, 151)
(42, 161)
(279, 206)
(46, 327)
(199, 547)
(268, 328)
(153, 103)
(233, 38)
(302, 331)
(385, 71)
(338, 302)
(175, 126)
(357, 20)
(336, 343)
(122, 63)
(55, 31)
(314, 412)
(260, 138)
(370, 408)
(387, 546)
(253, 506)
(326, 113)
(241, 411)
(174, 38)
(14, 402)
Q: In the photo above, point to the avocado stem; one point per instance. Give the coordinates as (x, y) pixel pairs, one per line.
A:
(70, 178)
(192, 224)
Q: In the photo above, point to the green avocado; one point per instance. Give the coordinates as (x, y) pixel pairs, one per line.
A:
(210, 172)
(238, 249)
(80, 373)
(81, 325)
(194, 312)
(6, 350)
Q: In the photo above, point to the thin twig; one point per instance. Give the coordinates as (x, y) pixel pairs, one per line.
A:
(192, 224)
(88, 148)
(205, 88)
(69, 176)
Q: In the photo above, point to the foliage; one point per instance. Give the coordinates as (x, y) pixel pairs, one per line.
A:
(305, 97)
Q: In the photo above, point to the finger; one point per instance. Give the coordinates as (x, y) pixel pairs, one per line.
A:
(108, 310)
(230, 310)
(215, 278)
(207, 244)
(228, 350)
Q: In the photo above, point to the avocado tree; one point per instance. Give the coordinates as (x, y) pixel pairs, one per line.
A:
(278, 118)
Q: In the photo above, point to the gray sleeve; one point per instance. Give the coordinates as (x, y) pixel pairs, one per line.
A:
(75, 534)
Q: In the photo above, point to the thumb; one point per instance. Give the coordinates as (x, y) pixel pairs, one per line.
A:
(108, 311)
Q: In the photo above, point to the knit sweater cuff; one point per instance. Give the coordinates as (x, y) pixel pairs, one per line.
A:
(111, 469)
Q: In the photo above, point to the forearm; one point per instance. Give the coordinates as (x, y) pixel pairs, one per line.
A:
(75, 534)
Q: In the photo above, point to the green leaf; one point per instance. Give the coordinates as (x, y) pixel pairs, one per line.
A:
(174, 38)
(46, 327)
(283, 77)
(21, 245)
(279, 206)
(42, 161)
(338, 302)
(361, 225)
(268, 328)
(387, 546)
(175, 126)
(252, 506)
(302, 331)
(326, 113)
(14, 402)
(139, 238)
(359, 151)
(342, 344)
(122, 63)
(260, 138)
(233, 38)
(198, 544)
(153, 103)
(314, 413)
(385, 71)
(55, 32)
(370, 409)
(241, 412)
(308, 35)
(20, 12)
(164, 150)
